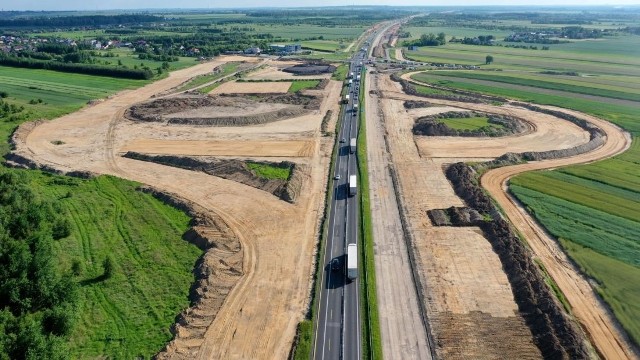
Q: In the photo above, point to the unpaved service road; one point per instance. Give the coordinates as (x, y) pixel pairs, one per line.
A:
(258, 317)
(234, 87)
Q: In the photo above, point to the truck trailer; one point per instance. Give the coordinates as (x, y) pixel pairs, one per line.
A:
(352, 147)
(353, 186)
(352, 261)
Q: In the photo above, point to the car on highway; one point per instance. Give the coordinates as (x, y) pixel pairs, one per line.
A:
(335, 264)
(337, 177)
(342, 140)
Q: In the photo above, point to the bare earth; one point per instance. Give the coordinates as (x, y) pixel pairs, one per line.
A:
(232, 87)
(463, 274)
(258, 318)
(276, 73)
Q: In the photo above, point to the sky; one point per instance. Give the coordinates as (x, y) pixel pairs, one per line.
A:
(159, 4)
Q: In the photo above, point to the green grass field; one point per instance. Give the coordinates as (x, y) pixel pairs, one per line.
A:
(128, 315)
(341, 73)
(324, 45)
(472, 123)
(269, 171)
(301, 85)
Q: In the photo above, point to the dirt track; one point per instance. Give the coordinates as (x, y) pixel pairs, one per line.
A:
(259, 315)
(599, 324)
(234, 87)
(248, 148)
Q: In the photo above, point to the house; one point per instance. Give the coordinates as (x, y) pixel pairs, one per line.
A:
(253, 50)
(413, 48)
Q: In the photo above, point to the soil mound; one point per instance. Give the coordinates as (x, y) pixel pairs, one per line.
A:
(310, 69)
(412, 104)
(555, 334)
(235, 170)
(223, 110)
(455, 216)
(505, 125)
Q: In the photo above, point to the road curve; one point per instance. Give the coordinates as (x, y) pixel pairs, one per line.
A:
(598, 322)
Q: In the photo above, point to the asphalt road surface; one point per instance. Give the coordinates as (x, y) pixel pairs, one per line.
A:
(338, 335)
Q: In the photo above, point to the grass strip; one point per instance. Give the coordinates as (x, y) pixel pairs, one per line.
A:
(371, 321)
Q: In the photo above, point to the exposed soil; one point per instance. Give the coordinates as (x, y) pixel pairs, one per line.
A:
(235, 87)
(232, 169)
(239, 148)
(222, 110)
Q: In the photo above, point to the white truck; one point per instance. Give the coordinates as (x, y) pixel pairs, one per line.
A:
(346, 99)
(352, 149)
(352, 261)
(353, 186)
(351, 75)
(358, 78)
(350, 82)
(355, 109)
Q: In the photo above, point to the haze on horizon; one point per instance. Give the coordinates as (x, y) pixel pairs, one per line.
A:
(39, 5)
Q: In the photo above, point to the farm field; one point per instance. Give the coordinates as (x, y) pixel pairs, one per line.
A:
(129, 314)
(323, 45)
(304, 84)
(551, 82)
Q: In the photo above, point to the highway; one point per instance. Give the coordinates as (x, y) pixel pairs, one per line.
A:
(338, 332)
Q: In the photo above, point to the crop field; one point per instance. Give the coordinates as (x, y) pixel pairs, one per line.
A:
(522, 59)
(606, 246)
(296, 32)
(548, 82)
(471, 123)
(129, 314)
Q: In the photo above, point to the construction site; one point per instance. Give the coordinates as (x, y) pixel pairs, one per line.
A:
(453, 280)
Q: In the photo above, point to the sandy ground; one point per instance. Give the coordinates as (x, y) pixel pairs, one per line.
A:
(459, 266)
(292, 148)
(259, 316)
(232, 87)
(403, 334)
(400, 54)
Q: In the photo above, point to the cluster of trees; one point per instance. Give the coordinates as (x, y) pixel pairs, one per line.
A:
(37, 302)
(154, 57)
(479, 40)
(10, 112)
(428, 40)
(89, 69)
(73, 21)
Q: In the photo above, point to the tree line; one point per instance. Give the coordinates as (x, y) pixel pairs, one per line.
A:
(88, 69)
(86, 20)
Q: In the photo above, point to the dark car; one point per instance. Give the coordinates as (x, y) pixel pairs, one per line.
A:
(335, 265)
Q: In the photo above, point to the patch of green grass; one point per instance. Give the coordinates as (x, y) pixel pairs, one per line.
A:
(129, 314)
(305, 340)
(371, 323)
(341, 73)
(304, 84)
(270, 171)
(226, 69)
(426, 90)
(323, 45)
(470, 123)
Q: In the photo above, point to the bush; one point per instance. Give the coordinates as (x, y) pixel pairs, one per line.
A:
(108, 267)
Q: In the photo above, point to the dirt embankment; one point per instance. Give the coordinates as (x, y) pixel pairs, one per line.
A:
(412, 104)
(456, 95)
(432, 125)
(216, 272)
(455, 216)
(235, 170)
(555, 334)
(223, 110)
